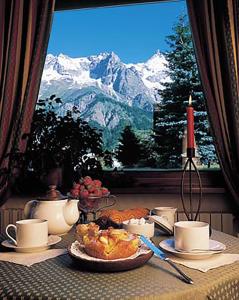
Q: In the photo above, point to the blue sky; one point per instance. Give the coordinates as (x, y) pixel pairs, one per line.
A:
(133, 32)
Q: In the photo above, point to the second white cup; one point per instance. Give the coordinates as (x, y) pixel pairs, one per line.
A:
(191, 235)
(168, 213)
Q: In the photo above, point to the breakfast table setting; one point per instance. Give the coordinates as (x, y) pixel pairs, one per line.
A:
(135, 253)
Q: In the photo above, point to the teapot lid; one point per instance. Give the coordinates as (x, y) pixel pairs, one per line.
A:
(53, 194)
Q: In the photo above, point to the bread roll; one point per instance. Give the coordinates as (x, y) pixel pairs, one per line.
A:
(120, 216)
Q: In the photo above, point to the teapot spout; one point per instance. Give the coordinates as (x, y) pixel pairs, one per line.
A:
(71, 212)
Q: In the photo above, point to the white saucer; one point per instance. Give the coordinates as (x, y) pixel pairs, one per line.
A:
(168, 245)
(52, 240)
(162, 223)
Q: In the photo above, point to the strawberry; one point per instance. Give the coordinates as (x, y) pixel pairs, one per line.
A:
(76, 186)
(97, 183)
(84, 194)
(87, 180)
(98, 193)
(104, 191)
(74, 193)
(90, 188)
(82, 188)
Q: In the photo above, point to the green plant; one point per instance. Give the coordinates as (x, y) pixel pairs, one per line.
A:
(62, 141)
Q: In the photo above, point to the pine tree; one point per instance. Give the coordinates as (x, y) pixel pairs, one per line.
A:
(171, 117)
(129, 149)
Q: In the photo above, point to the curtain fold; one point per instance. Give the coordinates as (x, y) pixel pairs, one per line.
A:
(24, 33)
(215, 30)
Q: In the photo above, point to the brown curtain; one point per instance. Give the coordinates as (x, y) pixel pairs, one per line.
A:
(24, 32)
(215, 29)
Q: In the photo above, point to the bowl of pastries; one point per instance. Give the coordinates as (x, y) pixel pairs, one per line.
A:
(107, 250)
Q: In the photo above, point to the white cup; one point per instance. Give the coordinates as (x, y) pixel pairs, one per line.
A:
(29, 233)
(168, 213)
(190, 235)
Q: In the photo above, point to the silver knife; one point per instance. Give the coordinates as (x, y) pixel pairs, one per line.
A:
(162, 256)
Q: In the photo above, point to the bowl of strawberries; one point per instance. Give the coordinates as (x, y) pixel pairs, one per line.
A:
(90, 192)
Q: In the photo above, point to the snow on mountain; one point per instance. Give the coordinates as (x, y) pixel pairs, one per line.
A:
(63, 67)
(107, 72)
(152, 71)
(98, 84)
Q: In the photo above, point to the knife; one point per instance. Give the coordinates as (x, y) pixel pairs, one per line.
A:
(162, 256)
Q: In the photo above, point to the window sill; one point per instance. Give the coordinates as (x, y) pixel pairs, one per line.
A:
(165, 182)
(166, 190)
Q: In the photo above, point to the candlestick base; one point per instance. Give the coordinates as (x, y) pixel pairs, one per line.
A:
(190, 168)
(190, 152)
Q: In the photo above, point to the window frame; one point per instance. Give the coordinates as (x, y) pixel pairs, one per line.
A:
(78, 4)
(212, 180)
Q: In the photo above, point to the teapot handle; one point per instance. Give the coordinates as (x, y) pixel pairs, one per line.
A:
(29, 207)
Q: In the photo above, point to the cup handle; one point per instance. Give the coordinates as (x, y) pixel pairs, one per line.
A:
(11, 238)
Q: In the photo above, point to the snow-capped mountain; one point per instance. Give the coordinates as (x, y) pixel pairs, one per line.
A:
(107, 91)
(107, 72)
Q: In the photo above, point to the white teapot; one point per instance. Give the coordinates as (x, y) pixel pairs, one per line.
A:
(60, 212)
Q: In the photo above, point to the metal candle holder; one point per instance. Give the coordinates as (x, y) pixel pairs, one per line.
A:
(191, 168)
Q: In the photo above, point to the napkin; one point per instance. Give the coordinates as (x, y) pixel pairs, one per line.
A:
(29, 259)
(215, 261)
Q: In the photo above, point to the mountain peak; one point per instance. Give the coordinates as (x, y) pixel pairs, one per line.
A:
(63, 56)
(50, 60)
(112, 54)
(156, 56)
(113, 57)
(157, 62)
(50, 56)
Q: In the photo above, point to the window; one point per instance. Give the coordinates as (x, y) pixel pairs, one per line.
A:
(127, 73)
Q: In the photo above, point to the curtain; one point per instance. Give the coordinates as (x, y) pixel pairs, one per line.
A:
(215, 31)
(24, 32)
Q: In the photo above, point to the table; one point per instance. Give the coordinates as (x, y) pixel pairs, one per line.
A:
(58, 278)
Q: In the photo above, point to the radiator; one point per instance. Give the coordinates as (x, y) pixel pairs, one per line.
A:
(9, 216)
(219, 221)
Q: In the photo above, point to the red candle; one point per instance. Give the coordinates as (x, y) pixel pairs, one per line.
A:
(190, 124)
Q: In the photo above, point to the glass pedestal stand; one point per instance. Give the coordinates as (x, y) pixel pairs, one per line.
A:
(189, 169)
(93, 205)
